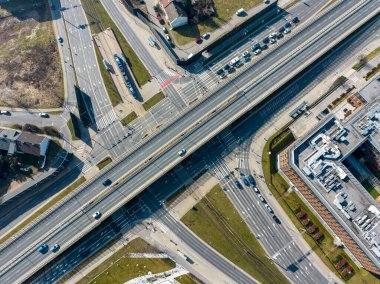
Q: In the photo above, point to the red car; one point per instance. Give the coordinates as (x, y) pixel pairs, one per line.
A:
(198, 40)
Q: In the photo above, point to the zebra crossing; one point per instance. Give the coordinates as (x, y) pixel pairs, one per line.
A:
(84, 166)
(81, 148)
(106, 120)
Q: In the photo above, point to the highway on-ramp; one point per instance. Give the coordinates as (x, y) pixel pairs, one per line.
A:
(69, 230)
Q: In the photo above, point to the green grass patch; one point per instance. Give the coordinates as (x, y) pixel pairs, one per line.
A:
(126, 268)
(185, 279)
(215, 220)
(104, 163)
(71, 129)
(224, 12)
(129, 118)
(370, 188)
(153, 100)
(43, 209)
(98, 18)
(363, 61)
(112, 91)
(341, 98)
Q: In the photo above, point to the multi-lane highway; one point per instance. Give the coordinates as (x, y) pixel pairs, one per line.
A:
(259, 120)
(31, 258)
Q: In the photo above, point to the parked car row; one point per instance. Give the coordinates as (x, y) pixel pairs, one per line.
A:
(256, 49)
(250, 181)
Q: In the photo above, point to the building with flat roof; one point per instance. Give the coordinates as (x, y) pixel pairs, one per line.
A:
(325, 168)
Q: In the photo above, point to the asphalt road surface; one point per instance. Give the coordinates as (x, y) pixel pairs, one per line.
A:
(31, 258)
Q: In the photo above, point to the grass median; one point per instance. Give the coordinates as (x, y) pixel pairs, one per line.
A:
(185, 279)
(153, 101)
(129, 118)
(215, 220)
(364, 60)
(43, 209)
(104, 163)
(98, 18)
(292, 204)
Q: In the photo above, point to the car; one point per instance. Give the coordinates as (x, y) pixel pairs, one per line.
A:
(238, 64)
(82, 27)
(221, 74)
(276, 219)
(231, 70)
(164, 30)
(96, 215)
(247, 58)
(60, 39)
(268, 208)
(198, 40)
(168, 38)
(246, 53)
(295, 20)
(55, 248)
(107, 182)
(272, 41)
(261, 198)
(245, 181)
(206, 36)
(265, 40)
(256, 189)
(182, 152)
(25, 169)
(257, 51)
(43, 114)
(287, 31)
(264, 47)
(272, 35)
(159, 18)
(256, 46)
(155, 8)
(266, 1)
(287, 25)
(226, 67)
(43, 249)
(5, 112)
(279, 36)
(238, 184)
(281, 30)
(251, 179)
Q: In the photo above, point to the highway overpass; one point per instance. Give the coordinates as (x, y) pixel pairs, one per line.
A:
(66, 225)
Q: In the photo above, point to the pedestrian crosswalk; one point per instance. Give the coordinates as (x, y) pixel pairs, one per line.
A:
(106, 120)
(81, 148)
(84, 166)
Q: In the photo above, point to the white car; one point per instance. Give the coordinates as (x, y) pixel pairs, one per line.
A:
(5, 112)
(256, 189)
(181, 152)
(96, 215)
(257, 51)
(261, 198)
(268, 208)
(43, 114)
(286, 31)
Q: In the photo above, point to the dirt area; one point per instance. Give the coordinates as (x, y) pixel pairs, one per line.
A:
(30, 70)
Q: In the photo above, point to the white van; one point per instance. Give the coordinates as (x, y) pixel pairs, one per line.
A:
(240, 11)
(234, 60)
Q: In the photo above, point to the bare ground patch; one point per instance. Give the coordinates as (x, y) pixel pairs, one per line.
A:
(30, 69)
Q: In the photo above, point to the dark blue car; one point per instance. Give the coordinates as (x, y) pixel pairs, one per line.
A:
(43, 249)
(246, 182)
(251, 179)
